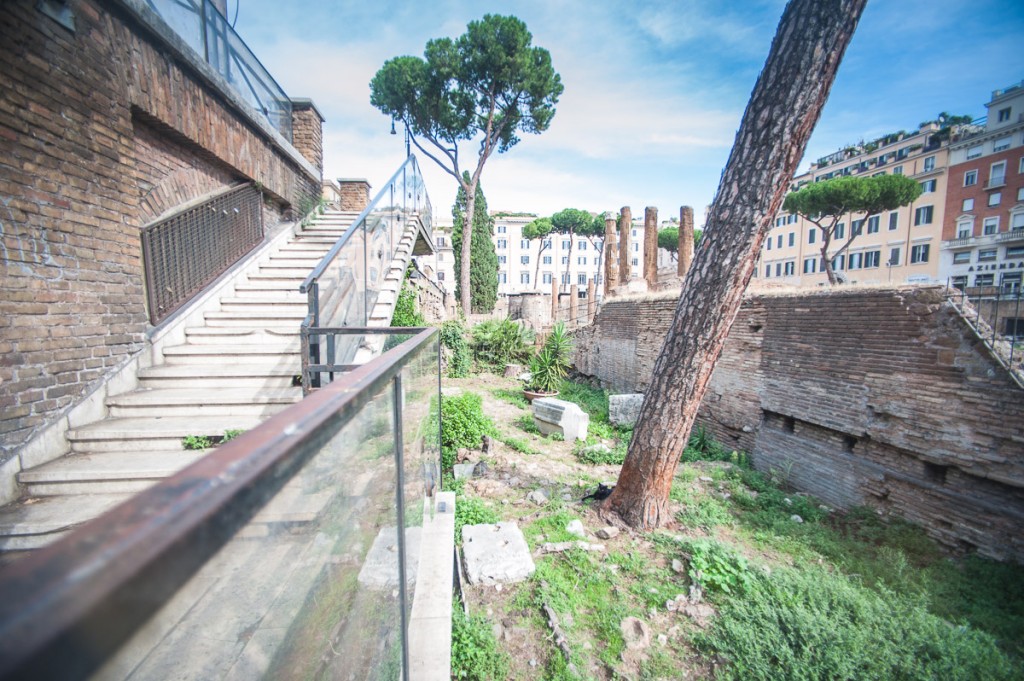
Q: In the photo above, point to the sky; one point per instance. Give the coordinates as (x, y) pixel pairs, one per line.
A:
(654, 90)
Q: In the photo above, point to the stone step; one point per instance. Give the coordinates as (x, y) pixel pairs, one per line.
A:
(207, 335)
(268, 285)
(257, 304)
(269, 321)
(151, 433)
(277, 276)
(35, 522)
(105, 473)
(241, 376)
(290, 263)
(305, 257)
(229, 401)
(217, 355)
(297, 273)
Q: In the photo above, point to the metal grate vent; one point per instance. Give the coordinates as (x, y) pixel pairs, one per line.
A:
(185, 252)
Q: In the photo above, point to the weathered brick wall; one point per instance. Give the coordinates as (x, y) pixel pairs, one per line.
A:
(355, 194)
(307, 132)
(876, 397)
(101, 130)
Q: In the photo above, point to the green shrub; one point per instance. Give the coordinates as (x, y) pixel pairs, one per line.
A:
(716, 567)
(196, 442)
(231, 434)
(614, 456)
(814, 624)
(551, 363)
(476, 655)
(525, 423)
(497, 343)
(453, 338)
(594, 401)
(405, 313)
(472, 511)
(463, 424)
(514, 397)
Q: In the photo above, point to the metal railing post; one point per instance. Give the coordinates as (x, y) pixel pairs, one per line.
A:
(366, 278)
(400, 525)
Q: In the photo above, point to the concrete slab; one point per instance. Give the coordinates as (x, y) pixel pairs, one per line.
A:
(496, 554)
(380, 569)
(624, 410)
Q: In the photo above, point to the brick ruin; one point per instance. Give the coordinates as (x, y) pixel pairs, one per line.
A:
(104, 126)
(876, 397)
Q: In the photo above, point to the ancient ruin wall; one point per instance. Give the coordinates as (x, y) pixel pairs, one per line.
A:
(102, 129)
(863, 397)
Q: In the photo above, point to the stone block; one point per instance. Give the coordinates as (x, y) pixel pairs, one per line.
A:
(624, 410)
(496, 554)
(558, 416)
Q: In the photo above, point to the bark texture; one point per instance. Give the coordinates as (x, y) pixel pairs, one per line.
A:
(783, 109)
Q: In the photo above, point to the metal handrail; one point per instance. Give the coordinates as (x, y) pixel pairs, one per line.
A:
(360, 219)
(65, 609)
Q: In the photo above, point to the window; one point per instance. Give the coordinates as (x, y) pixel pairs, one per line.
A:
(1015, 251)
(856, 259)
(636, 262)
(1003, 115)
(1020, 164)
(778, 269)
(636, 247)
(894, 257)
(856, 228)
(524, 244)
(581, 279)
(898, 170)
(1017, 221)
(964, 229)
(634, 232)
(962, 258)
(960, 282)
(894, 221)
(597, 261)
(792, 238)
(565, 260)
(767, 271)
(524, 260)
(1020, 192)
(440, 276)
(872, 258)
(790, 268)
(810, 265)
(928, 186)
(547, 243)
(581, 245)
(547, 260)
(1010, 283)
(502, 278)
(974, 152)
(984, 279)
(967, 205)
(812, 235)
(997, 175)
(840, 230)
(502, 243)
(919, 253)
(970, 178)
(923, 215)
(566, 244)
(994, 198)
(778, 222)
(778, 242)
(839, 262)
(873, 224)
(440, 241)
(501, 229)
(546, 278)
(929, 164)
(987, 255)
(582, 260)
(1001, 144)
(769, 244)
(502, 259)
(524, 277)
(565, 278)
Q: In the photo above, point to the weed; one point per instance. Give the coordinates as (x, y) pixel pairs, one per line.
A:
(472, 511)
(463, 424)
(594, 401)
(556, 437)
(196, 442)
(231, 434)
(475, 652)
(453, 337)
(597, 455)
(525, 423)
(715, 566)
(497, 343)
(514, 397)
(519, 445)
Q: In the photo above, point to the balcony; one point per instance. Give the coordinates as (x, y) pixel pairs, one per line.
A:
(996, 182)
(958, 242)
(1012, 235)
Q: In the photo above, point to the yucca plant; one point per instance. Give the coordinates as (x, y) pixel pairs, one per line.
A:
(551, 363)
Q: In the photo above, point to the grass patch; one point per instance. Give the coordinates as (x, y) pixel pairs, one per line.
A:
(814, 624)
(472, 511)
(520, 445)
(525, 423)
(513, 397)
(476, 655)
(594, 401)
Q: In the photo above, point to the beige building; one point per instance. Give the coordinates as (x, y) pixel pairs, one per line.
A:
(894, 246)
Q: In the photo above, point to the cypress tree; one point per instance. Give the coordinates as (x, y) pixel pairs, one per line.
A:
(483, 268)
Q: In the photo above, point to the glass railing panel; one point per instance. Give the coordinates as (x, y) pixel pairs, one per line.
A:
(184, 17)
(309, 588)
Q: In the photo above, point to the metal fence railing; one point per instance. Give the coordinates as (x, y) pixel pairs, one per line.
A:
(343, 287)
(186, 251)
(290, 552)
(203, 28)
(997, 317)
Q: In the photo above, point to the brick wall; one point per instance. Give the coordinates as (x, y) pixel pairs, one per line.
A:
(307, 132)
(870, 397)
(355, 194)
(101, 129)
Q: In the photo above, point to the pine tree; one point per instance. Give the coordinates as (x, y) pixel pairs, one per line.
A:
(483, 268)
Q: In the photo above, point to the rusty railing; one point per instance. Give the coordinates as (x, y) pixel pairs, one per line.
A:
(183, 253)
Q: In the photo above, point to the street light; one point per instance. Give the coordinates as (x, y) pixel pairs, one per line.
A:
(395, 132)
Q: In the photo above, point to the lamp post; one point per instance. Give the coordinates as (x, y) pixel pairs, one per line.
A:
(395, 132)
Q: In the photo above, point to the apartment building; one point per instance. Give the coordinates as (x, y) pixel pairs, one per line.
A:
(894, 246)
(983, 235)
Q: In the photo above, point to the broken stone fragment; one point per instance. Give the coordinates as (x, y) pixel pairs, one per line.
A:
(609, 532)
(538, 496)
(576, 527)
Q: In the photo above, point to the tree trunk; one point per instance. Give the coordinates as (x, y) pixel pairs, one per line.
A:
(826, 241)
(786, 103)
(536, 271)
(467, 240)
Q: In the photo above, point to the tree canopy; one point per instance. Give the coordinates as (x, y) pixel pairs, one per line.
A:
(825, 203)
(668, 239)
(489, 83)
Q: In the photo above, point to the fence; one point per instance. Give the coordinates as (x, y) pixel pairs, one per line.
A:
(343, 287)
(203, 28)
(290, 552)
(997, 317)
(185, 252)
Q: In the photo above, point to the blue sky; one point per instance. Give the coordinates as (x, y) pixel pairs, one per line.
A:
(654, 91)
